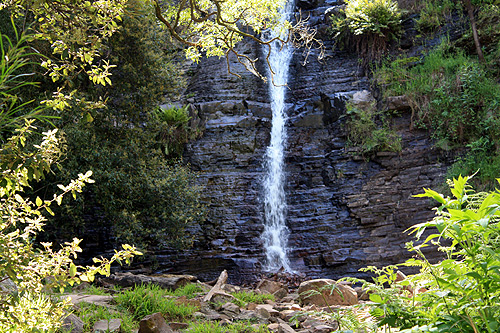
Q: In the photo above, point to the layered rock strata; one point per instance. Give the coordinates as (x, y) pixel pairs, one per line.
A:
(344, 211)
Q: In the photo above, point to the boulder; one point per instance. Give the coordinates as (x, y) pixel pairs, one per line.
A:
(397, 103)
(154, 323)
(363, 100)
(334, 293)
(108, 326)
(266, 311)
(280, 328)
(280, 293)
(72, 324)
(269, 286)
(7, 286)
(230, 309)
(101, 300)
(175, 326)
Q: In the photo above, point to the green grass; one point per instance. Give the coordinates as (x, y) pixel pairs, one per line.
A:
(434, 14)
(145, 300)
(189, 290)
(91, 313)
(244, 297)
(93, 290)
(450, 93)
(216, 327)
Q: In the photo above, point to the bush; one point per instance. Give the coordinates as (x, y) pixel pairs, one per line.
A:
(460, 293)
(459, 102)
(433, 14)
(364, 132)
(143, 195)
(33, 267)
(369, 25)
(146, 199)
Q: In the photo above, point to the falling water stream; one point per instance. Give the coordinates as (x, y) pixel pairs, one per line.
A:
(275, 235)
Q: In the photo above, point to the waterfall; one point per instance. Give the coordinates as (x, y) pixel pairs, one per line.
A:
(275, 235)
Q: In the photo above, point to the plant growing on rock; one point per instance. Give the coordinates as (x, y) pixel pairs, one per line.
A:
(369, 25)
(368, 130)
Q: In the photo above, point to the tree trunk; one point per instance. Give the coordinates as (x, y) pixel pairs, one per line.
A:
(470, 12)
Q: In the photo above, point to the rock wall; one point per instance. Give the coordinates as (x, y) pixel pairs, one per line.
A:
(344, 212)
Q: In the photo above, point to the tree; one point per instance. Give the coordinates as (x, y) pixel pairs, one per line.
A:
(29, 266)
(470, 12)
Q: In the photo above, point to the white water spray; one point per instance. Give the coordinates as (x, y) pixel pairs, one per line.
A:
(275, 235)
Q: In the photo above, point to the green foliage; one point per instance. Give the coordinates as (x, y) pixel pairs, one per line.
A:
(92, 313)
(190, 290)
(217, 327)
(481, 160)
(369, 25)
(380, 17)
(175, 131)
(15, 74)
(75, 40)
(145, 300)
(488, 23)
(145, 71)
(173, 116)
(146, 197)
(30, 266)
(147, 200)
(433, 14)
(242, 298)
(460, 293)
(364, 132)
(449, 93)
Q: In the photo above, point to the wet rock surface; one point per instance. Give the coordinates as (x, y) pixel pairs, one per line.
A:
(345, 211)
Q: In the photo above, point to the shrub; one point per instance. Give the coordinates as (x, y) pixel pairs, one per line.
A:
(148, 200)
(433, 14)
(143, 195)
(364, 132)
(480, 160)
(459, 103)
(36, 267)
(460, 293)
(369, 25)
(174, 129)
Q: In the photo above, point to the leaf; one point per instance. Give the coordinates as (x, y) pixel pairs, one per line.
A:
(484, 222)
(432, 194)
(38, 201)
(47, 208)
(72, 270)
(376, 298)
(474, 275)
(19, 198)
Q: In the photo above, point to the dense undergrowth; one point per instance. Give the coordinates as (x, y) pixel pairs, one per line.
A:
(451, 93)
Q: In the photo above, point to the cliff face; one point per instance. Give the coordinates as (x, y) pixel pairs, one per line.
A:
(343, 212)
